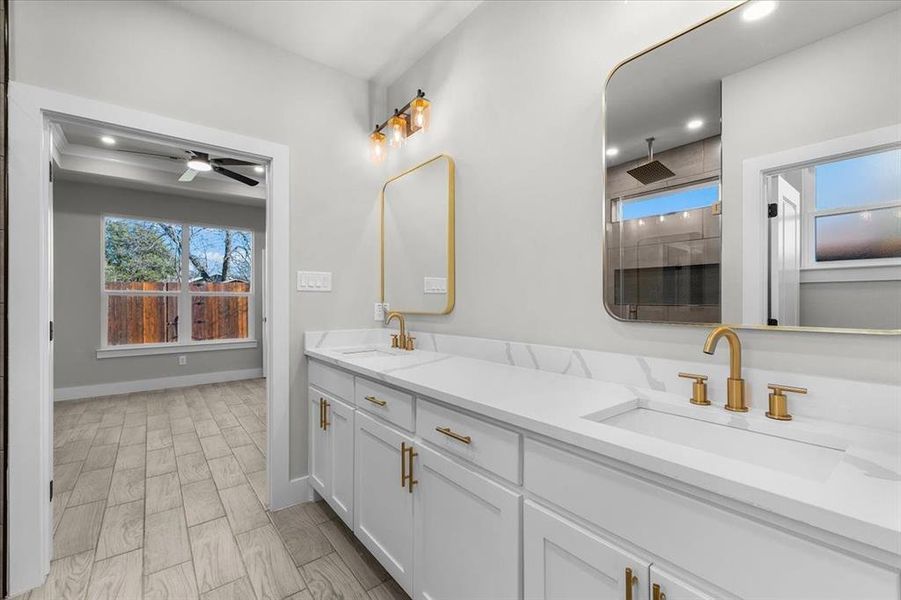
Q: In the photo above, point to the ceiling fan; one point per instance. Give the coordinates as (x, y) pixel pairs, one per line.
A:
(200, 162)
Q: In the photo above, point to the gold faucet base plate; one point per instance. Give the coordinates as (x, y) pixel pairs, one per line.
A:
(701, 403)
(779, 417)
(737, 409)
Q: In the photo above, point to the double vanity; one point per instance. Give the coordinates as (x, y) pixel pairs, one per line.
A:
(467, 478)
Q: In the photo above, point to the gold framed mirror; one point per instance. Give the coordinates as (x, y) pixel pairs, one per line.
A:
(417, 241)
(753, 172)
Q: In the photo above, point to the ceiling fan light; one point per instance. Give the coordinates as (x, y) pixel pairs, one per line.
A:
(200, 164)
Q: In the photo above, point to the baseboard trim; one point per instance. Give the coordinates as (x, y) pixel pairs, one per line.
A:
(146, 385)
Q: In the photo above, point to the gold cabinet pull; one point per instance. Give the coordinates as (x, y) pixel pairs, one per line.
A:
(406, 466)
(325, 423)
(631, 581)
(321, 413)
(453, 434)
(403, 464)
(656, 593)
(375, 400)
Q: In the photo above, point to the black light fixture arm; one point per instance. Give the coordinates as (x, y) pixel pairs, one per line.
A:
(400, 111)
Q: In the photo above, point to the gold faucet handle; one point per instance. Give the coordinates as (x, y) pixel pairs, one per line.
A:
(394, 341)
(409, 345)
(698, 388)
(778, 401)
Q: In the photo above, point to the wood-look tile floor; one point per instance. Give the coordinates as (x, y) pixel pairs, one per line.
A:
(161, 495)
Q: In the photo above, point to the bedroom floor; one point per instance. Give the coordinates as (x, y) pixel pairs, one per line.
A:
(161, 495)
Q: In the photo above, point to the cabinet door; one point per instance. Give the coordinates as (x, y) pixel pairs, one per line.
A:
(562, 561)
(319, 450)
(383, 508)
(466, 535)
(340, 436)
(672, 588)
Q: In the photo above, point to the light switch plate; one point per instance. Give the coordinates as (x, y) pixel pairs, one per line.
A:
(381, 309)
(435, 285)
(314, 281)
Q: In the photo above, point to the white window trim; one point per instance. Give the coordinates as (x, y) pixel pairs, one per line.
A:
(184, 295)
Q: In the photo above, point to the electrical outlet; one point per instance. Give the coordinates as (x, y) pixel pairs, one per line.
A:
(381, 309)
(182, 360)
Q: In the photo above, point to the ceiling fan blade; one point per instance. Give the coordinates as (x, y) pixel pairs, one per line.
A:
(188, 175)
(232, 162)
(235, 176)
(152, 154)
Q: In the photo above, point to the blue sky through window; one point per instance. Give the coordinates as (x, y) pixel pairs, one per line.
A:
(670, 202)
(859, 181)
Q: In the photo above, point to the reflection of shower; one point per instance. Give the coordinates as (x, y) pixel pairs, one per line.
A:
(653, 170)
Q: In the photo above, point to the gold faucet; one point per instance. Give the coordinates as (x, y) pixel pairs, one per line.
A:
(735, 385)
(401, 339)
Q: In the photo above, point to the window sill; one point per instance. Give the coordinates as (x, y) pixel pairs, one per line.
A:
(838, 273)
(151, 349)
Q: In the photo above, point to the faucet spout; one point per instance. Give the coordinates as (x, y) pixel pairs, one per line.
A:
(735, 385)
(401, 340)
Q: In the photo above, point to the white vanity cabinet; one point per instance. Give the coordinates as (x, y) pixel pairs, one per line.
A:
(332, 452)
(466, 536)
(666, 586)
(383, 507)
(562, 561)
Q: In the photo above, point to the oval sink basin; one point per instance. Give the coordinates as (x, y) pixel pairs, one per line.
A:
(809, 458)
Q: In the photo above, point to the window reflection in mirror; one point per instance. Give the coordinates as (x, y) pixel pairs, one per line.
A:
(753, 172)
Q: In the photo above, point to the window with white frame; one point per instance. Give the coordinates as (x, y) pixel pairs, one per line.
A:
(852, 211)
(175, 283)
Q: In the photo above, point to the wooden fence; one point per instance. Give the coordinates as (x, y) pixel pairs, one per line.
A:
(153, 319)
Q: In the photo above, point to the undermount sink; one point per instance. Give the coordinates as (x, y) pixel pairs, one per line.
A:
(802, 454)
(368, 352)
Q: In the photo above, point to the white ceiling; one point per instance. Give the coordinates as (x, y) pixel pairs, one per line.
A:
(657, 93)
(146, 162)
(368, 39)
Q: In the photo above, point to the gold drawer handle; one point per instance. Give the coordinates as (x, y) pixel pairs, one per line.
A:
(378, 401)
(630, 581)
(453, 434)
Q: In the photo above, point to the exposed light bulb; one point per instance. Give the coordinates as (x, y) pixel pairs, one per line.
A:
(420, 112)
(758, 9)
(377, 147)
(397, 125)
(108, 140)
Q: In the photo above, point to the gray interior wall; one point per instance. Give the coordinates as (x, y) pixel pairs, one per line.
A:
(844, 84)
(112, 51)
(859, 304)
(78, 210)
(517, 93)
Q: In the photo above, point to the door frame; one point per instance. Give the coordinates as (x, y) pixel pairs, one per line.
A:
(754, 222)
(30, 293)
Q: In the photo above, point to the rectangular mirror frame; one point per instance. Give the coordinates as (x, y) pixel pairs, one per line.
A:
(451, 255)
(605, 213)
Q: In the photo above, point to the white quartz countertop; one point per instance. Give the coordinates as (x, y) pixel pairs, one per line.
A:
(859, 499)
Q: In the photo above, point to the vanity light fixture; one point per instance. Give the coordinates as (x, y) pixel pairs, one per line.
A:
(612, 151)
(416, 115)
(694, 124)
(108, 140)
(758, 9)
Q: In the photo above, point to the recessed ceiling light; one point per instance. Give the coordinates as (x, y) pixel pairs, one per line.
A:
(199, 163)
(108, 140)
(612, 151)
(758, 9)
(694, 124)
(259, 169)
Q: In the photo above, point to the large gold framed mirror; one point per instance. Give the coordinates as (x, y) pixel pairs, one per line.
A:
(753, 171)
(417, 239)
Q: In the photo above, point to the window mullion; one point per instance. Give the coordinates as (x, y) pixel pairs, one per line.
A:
(184, 302)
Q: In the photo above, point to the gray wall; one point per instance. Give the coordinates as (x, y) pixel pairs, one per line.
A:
(517, 95)
(844, 84)
(78, 210)
(133, 54)
(859, 304)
